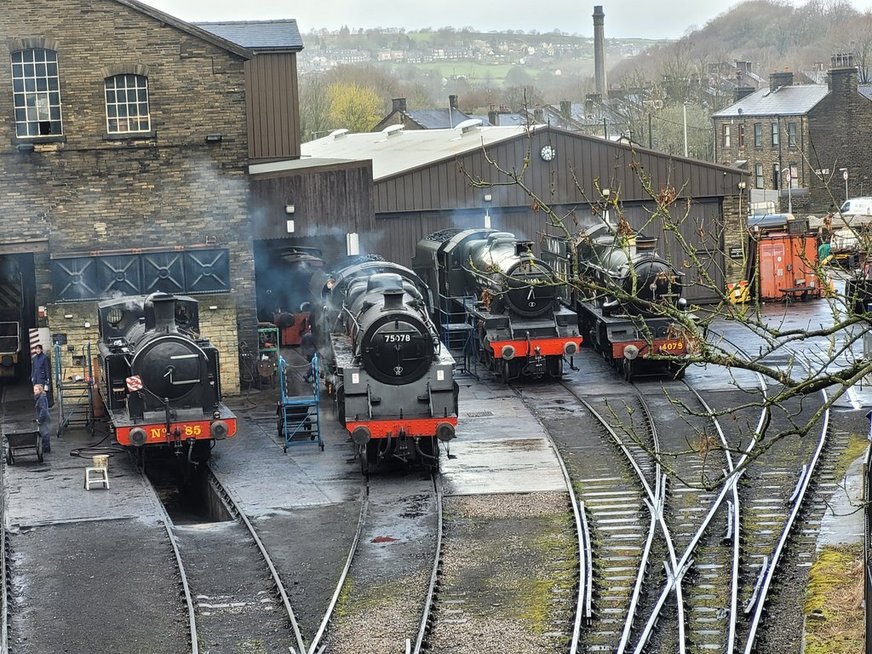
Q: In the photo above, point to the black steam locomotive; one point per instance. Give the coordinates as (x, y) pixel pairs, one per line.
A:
(493, 281)
(381, 356)
(621, 282)
(160, 382)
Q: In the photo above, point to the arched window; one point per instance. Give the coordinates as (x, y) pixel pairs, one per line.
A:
(127, 104)
(36, 93)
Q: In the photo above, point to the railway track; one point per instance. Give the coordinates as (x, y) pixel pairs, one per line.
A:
(618, 528)
(235, 595)
(385, 598)
(719, 536)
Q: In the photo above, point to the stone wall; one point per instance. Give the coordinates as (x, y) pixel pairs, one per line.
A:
(90, 191)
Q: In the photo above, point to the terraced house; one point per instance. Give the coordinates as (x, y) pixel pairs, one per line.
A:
(805, 137)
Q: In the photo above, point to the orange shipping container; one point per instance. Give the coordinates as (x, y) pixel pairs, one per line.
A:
(786, 262)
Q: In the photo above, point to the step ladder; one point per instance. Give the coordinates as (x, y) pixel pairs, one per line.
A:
(74, 391)
(299, 416)
(458, 335)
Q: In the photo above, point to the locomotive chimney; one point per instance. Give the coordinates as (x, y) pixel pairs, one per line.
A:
(523, 248)
(163, 310)
(393, 299)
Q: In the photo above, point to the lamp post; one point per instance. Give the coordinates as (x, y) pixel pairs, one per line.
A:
(742, 186)
(789, 185)
(844, 172)
(606, 192)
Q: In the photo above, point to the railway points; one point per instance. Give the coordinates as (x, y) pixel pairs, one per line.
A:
(305, 503)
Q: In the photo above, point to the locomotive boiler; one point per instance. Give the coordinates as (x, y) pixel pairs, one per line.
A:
(494, 282)
(623, 296)
(159, 380)
(380, 354)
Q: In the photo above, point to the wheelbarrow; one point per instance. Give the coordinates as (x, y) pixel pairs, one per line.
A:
(22, 442)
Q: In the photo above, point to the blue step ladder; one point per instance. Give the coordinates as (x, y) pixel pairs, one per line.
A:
(298, 417)
(458, 334)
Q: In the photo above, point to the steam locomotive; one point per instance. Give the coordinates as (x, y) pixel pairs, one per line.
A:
(621, 282)
(494, 282)
(159, 380)
(380, 355)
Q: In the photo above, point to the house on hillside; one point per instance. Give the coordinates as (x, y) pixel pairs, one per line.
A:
(801, 139)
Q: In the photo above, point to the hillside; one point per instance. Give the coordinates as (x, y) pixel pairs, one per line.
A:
(770, 35)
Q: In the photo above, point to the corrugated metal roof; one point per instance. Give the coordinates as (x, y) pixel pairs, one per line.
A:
(795, 100)
(258, 34)
(395, 151)
(437, 118)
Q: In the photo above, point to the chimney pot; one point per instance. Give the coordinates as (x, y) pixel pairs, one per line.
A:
(452, 101)
(399, 104)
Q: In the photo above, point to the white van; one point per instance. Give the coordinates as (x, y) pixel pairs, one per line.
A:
(857, 207)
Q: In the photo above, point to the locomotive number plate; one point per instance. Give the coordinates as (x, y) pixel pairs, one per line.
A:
(186, 431)
(396, 337)
(671, 347)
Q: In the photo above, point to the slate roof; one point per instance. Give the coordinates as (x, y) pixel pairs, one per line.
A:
(865, 90)
(796, 100)
(437, 118)
(258, 35)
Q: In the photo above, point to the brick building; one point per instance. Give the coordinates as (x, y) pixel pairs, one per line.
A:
(127, 140)
(801, 136)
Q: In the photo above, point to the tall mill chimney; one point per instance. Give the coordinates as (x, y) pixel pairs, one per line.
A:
(599, 51)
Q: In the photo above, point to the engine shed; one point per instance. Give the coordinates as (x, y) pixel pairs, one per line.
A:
(427, 180)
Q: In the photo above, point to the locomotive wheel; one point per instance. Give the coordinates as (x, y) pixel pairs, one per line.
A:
(368, 457)
(340, 404)
(506, 370)
(629, 370)
(555, 367)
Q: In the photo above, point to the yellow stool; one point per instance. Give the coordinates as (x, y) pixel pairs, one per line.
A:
(98, 473)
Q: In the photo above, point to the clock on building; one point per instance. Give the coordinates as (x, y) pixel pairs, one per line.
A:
(548, 152)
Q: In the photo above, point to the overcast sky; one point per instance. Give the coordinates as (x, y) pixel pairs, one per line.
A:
(656, 19)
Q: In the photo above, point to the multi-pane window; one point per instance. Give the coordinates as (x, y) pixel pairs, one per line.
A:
(127, 104)
(726, 135)
(36, 93)
(740, 137)
(791, 135)
(758, 135)
(774, 134)
(794, 175)
(758, 176)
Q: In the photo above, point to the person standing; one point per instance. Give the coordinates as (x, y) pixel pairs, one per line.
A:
(43, 416)
(40, 370)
